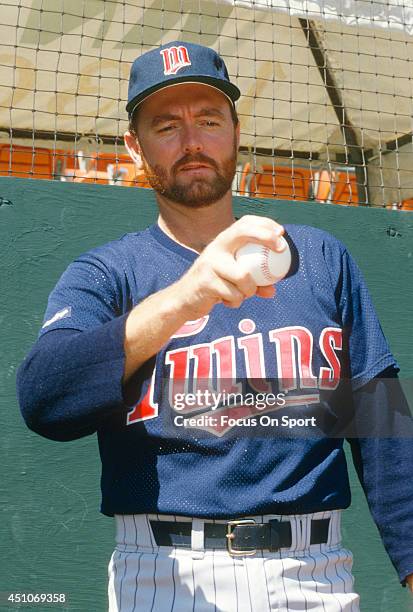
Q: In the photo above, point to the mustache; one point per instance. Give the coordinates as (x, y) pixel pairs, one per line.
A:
(195, 157)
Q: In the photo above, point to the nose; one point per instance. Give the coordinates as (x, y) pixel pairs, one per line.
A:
(191, 139)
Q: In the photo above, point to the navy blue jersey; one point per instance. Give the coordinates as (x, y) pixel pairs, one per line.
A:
(162, 450)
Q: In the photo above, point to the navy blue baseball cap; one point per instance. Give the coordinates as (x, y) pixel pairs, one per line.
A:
(174, 63)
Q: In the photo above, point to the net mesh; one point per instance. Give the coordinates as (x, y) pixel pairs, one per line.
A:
(326, 106)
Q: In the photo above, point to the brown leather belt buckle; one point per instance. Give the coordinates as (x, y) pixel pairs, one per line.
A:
(231, 526)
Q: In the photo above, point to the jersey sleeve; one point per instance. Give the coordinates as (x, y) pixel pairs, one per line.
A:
(367, 348)
(71, 380)
(383, 457)
(88, 294)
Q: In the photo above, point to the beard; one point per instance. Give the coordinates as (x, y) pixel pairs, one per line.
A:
(199, 192)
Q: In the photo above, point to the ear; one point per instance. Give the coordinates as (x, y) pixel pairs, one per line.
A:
(133, 148)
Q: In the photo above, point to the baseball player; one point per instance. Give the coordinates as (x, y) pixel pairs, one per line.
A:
(219, 505)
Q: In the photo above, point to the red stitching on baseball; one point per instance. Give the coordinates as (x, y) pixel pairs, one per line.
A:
(264, 264)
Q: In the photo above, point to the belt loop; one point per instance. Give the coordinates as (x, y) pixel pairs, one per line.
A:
(296, 532)
(197, 538)
(334, 534)
(306, 523)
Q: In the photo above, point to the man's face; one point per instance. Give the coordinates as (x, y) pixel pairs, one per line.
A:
(188, 144)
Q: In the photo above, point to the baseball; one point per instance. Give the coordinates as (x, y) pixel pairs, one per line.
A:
(265, 265)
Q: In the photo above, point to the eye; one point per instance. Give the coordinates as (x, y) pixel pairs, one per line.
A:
(210, 123)
(166, 128)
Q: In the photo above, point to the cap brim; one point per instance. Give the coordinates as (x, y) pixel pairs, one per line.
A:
(228, 89)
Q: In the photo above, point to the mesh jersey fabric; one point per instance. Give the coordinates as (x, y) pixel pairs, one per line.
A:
(151, 465)
(70, 385)
(148, 465)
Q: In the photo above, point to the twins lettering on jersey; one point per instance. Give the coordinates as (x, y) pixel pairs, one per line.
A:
(212, 367)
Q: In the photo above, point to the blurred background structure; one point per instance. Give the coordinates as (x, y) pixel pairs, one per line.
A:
(326, 111)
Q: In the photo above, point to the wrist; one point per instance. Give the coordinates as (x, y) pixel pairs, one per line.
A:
(189, 300)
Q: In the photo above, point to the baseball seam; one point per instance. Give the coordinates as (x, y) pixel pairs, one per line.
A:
(265, 269)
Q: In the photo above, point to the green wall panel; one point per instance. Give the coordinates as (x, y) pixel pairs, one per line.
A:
(53, 538)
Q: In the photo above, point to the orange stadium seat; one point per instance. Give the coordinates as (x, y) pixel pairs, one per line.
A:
(26, 162)
(279, 182)
(67, 164)
(244, 180)
(92, 176)
(128, 175)
(345, 191)
(125, 175)
(89, 167)
(322, 185)
(407, 205)
(404, 205)
(100, 161)
(335, 187)
(101, 168)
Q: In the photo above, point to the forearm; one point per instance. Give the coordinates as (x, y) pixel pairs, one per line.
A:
(152, 323)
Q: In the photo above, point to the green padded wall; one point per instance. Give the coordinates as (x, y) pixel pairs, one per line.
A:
(53, 538)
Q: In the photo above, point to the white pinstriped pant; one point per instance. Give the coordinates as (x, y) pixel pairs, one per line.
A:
(144, 577)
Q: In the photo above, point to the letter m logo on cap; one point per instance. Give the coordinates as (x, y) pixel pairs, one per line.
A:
(175, 58)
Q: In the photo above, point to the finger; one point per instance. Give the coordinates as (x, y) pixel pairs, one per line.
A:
(265, 223)
(228, 268)
(252, 229)
(227, 293)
